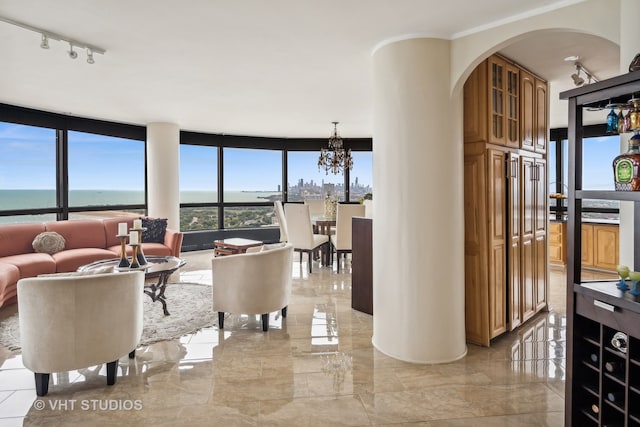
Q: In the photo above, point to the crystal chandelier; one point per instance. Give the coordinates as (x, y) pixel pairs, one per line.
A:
(335, 159)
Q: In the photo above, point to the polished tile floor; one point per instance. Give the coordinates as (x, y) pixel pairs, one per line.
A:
(316, 367)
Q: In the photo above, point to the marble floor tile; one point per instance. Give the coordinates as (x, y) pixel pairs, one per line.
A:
(317, 367)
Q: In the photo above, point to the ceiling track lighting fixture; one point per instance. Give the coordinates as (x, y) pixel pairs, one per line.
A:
(48, 35)
(578, 80)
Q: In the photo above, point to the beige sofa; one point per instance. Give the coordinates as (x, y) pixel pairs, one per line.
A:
(86, 241)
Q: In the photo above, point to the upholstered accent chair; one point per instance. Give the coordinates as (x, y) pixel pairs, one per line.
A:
(341, 241)
(282, 221)
(69, 321)
(256, 282)
(301, 233)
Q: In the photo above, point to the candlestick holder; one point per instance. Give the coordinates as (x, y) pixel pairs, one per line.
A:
(142, 260)
(124, 262)
(134, 257)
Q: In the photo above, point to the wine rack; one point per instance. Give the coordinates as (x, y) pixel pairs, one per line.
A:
(603, 323)
(607, 387)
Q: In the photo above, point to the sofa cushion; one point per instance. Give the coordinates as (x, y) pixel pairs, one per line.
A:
(17, 239)
(155, 229)
(111, 229)
(79, 234)
(48, 242)
(31, 264)
(9, 275)
(71, 259)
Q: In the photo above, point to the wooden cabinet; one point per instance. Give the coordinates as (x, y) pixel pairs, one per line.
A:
(602, 382)
(558, 242)
(506, 105)
(600, 246)
(505, 204)
(492, 103)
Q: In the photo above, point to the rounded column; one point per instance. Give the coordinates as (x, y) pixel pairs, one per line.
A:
(418, 226)
(163, 165)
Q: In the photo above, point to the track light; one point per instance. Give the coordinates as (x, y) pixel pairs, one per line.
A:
(45, 42)
(579, 81)
(48, 35)
(72, 53)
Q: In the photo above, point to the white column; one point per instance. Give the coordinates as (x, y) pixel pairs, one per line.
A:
(629, 47)
(163, 161)
(418, 227)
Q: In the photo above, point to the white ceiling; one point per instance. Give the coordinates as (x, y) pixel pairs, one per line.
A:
(250, 67)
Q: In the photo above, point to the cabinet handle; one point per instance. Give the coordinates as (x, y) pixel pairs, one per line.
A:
(604, 305)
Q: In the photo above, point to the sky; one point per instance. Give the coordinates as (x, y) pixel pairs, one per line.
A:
(28, 162)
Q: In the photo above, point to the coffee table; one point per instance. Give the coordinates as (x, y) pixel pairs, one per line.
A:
(157, 266)
(234, 245)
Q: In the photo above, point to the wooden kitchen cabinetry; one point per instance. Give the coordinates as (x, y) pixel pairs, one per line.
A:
(505, 202)
(558, 242)
(603, 332)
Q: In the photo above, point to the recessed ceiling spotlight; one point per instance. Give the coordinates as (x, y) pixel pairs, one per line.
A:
(572, 58)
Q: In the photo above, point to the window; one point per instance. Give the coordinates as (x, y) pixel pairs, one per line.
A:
(28, 171)
(105, 170)
(198, 184)
(251, 176)
(597, 157)
(306, 182)
(361, 175)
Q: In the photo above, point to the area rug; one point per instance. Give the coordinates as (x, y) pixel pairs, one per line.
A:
(190, 305)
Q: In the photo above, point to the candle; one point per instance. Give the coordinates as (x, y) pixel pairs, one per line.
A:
(122, 229)
(137, 224)
(133, 238)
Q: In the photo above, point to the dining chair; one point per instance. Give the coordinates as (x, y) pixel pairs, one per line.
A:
(301, 234)
(282, 221)
(341, 241)
(316, 208)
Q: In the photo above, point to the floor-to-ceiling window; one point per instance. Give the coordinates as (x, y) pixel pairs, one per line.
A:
(104, 171)
(198, 187)
(63, 167)
(252, 177)
(306, 181)
(27, 173)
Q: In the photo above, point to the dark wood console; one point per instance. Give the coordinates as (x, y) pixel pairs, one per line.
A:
(362, 265)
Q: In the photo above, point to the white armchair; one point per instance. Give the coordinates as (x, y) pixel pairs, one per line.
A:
(69, 322)
(253, 283)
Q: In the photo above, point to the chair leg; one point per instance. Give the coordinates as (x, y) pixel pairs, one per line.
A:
(112, 367)
(284, 312)
(220, 319)
(338, 253)
(42, 384)
(309, 260)
(132, 354)
(265, 322)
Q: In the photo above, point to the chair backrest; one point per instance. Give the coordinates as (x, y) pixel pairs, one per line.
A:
(282, 221)
(343, 224)
(253, 283)
(299, 225)
(70, 321)
(316, 207)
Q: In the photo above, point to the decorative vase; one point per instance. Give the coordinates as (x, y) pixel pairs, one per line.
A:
(330, 207)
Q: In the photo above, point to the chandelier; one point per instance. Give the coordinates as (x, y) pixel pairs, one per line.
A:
(335, 159)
